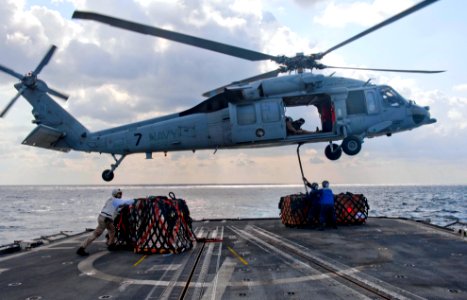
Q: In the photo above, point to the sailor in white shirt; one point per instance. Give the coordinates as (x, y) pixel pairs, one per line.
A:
(106, 221)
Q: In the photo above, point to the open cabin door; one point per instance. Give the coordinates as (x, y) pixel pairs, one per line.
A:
(258, 121)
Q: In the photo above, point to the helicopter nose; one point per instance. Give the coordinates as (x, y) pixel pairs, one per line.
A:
(421, 115)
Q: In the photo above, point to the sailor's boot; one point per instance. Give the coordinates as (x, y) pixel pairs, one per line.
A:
(82, 252)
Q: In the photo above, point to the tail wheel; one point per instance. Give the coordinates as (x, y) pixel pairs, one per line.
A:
(351, 145)
(108, 175)
(333, 151)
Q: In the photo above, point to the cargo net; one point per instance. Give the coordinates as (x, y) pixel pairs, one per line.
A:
(294, 210)
(297, 210)
(351, 208)
(156, 224)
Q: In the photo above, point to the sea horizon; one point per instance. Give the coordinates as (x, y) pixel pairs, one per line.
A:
(110, 185)
(30, 211)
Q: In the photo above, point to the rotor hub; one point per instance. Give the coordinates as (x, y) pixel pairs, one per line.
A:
(30, 79)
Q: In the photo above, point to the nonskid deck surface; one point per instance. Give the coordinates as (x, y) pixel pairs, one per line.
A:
(258, 259)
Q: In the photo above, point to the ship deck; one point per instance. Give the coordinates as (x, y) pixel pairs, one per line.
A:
(254, 258)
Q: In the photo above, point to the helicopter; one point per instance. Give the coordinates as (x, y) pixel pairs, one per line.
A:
(249, 113)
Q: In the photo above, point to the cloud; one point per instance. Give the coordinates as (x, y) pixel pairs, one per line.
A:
(114, 76)
(316, 160)
(307, 3)
(360, 13)
(461, 87)
(241, 160)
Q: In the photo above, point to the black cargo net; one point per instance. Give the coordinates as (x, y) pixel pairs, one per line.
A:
(297, 210)
(155, 224)
(351, 208)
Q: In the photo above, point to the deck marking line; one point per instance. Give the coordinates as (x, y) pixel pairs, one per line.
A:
(55, 248)
(338, 267)
(192, 272)
(3, 270)
(87, 269)
(205, 265)
(149, 296)
(216, 278)
(160, 267)
(223, 276)
(288, 258)
(171, 267)
(254, 242)
(237, 256)
(139, 261)
(293, 261)
(174, 280)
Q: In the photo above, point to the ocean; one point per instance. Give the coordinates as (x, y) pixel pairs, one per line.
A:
(30, 212)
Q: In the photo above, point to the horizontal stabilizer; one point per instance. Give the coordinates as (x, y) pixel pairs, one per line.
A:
(45, 137)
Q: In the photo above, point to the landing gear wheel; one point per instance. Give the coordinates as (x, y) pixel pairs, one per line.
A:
(333, 153)
(108, 175)
(351, 145)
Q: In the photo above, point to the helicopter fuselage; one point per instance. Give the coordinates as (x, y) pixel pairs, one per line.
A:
(240, 116)
(254, 115)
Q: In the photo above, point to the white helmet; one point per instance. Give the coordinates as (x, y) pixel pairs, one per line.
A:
(115, 192)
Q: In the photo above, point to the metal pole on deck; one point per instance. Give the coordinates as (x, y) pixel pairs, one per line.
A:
(301, 168)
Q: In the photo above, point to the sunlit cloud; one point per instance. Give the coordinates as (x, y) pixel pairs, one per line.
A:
(360, 13)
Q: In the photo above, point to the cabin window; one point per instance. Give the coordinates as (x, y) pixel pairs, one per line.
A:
(371, 103)
(356, 103)
(270, 112)
(246, 114)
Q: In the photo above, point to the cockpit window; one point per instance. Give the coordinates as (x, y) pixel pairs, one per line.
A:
(391, 97)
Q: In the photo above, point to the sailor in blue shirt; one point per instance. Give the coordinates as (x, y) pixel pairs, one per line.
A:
(327, 214)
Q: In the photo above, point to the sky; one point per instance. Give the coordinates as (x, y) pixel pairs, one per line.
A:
(115, 77)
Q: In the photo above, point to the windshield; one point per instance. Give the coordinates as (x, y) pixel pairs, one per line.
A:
(391, 97)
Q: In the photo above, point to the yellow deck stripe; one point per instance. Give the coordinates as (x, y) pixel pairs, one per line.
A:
(237, 256)
(139, 261)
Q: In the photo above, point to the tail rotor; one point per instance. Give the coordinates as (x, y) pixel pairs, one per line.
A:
(29, 81)
(12, 101)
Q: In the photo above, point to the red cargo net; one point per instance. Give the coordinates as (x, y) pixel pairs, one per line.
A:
(156, 224)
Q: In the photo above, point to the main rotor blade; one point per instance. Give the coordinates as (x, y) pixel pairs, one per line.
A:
(58, 94)
(11, 72)
(174, 36)
(382, 70)
(246, 80)
(45, 60)
(382, 24)
(12, 101)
